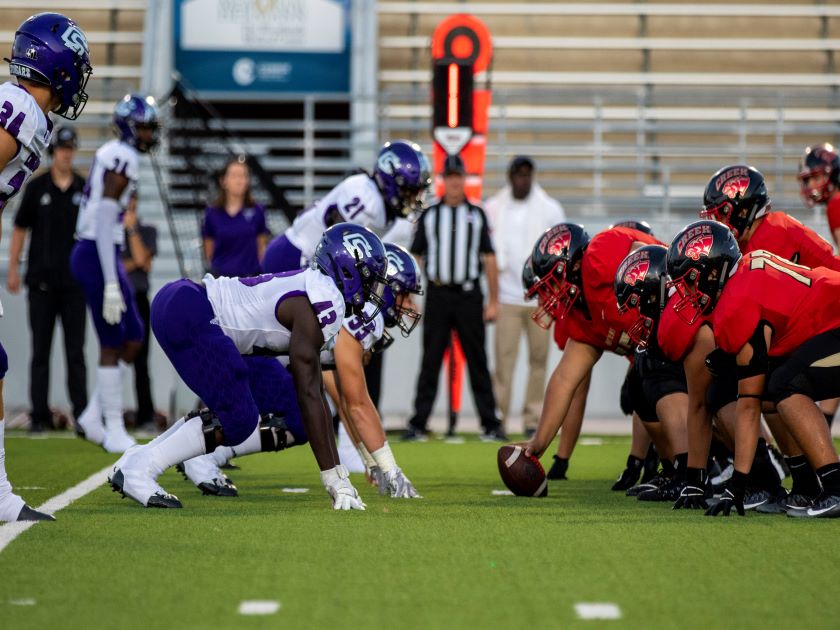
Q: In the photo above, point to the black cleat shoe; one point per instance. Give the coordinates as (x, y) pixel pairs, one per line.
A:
(668, 491)
(494, 435)
(776, 505)
(797, 502)
(157, 500)
(29, 514)
(558, 468)
(218, 488)
(756, 498)
(627, 479)
(824, 506)
(224, 479)
(413, 434)
(653, 484)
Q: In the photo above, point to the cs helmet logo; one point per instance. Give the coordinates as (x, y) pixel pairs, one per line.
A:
(699, 246)
(395, 265)
(389, 162)
(357, 245)
(75, 40)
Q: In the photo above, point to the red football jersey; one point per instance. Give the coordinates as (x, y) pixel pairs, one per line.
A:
(607, 328)
(798, 303)
(832, 209)
(561, 333)
(674, 335)
(786, 237)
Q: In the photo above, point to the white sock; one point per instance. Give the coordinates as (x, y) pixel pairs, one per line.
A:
(110, 394)
(251, 444)
(222, 455)
(367, 458)
(125, 370)
(185, 443)
(347, 452)
(385, 458)
(10, 503)
(160, 438)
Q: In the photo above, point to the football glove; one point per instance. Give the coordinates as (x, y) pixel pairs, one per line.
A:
(377, 478)
(341, 491)
(693, 495)
(113, 305)
(733, 496)
(398, 486)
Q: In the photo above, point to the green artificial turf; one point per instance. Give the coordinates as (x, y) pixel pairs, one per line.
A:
(459, 558)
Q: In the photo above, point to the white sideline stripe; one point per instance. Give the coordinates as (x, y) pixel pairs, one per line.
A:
(258, 607)
(27, 601)
(597, 610)
(591, 441)
(10, 531)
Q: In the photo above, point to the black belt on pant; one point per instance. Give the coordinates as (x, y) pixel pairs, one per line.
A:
(466, 287)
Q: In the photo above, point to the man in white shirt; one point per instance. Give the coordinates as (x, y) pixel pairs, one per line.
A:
(519, 213)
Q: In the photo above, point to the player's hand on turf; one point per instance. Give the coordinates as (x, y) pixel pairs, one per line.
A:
(113, 305)
(692, 498)
(377, 478)
(398, 485)
(733, 496)
(343, 494)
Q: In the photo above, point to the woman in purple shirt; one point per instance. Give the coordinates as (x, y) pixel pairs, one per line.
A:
(234, 231)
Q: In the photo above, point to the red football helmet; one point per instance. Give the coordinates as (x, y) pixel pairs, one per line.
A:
(819, 173)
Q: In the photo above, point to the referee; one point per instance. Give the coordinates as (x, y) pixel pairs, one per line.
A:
(452, 241)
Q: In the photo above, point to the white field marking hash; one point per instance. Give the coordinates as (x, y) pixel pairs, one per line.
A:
(258, 607)
(501, 493)
(591, 441)
(597, 610)
(296, 490)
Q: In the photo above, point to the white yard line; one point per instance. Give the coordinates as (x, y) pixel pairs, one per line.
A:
(259, 607)
(597, 610)
(10, 531)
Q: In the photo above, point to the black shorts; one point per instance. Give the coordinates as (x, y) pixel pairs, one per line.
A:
(724, 386)
(649, 380)
(813, 370)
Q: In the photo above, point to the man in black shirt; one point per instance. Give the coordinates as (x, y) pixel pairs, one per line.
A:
(453, 242)
(48, 209)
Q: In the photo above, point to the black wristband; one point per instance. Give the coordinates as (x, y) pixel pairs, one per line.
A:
(738, 483)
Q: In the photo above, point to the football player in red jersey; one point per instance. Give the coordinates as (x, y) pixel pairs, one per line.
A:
(576, 283)
(737, 197)
(764, 307)
(819, 179)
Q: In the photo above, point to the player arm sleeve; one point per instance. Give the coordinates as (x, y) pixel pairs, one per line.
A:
(107, 216)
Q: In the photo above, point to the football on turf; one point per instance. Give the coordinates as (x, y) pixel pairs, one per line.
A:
(523, 474)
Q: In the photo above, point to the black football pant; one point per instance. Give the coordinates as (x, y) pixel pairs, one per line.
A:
(142, 383)
(45, 306)
(373, 377)
(449, 309)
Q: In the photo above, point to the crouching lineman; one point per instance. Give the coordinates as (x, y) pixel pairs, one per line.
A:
(765, 308)
(680, 353)
(576, 278)
(205, 329)
(97, 267)
(357, 336)
(51, 61)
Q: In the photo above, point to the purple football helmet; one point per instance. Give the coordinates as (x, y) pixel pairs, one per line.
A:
(403, 278)
(134, 112)
(354, 258)
(51, 49)
(402, 174)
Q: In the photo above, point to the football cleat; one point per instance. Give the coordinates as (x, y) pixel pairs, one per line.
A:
(796, 502)
(207, 477)
(668, 491)
(626, 480)
(413, 434)
(137, 483)
(90, 427)
(29, 514)
(558, 469)
(776, 504)
(755, 498)
(494, 435)
(653, 484)
(824, 506)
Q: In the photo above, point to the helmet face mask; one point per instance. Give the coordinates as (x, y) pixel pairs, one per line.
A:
(692, 302)
(556, 296)
(403, 281)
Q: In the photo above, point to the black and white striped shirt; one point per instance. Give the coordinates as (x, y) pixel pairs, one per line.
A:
(452, 240)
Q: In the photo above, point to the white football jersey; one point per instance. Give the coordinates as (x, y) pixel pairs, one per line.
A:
(357, 199)
(21, 117)
(121, 158)
(246, 308)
